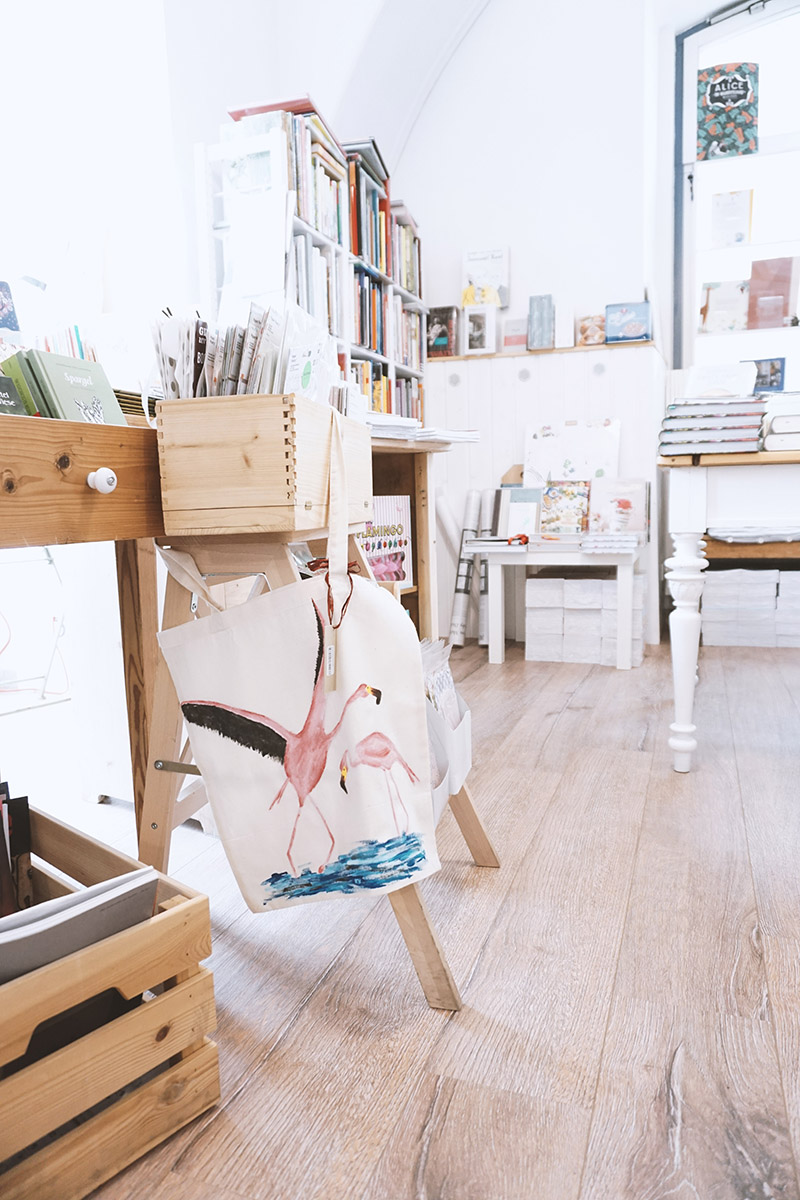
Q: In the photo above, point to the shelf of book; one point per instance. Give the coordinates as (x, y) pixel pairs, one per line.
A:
(348, 256)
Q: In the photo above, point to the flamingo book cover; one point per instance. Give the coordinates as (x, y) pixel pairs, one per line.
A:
(386, 540)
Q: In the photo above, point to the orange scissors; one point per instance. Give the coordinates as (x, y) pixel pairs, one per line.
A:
(522, 538)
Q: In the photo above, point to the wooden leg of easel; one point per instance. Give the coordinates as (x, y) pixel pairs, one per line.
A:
(424, 947)
(473, 830)
(161, 787)
(138, 609)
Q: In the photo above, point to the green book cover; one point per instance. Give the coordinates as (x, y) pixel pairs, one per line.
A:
(11, 403)
(76, 390)
(13, 369)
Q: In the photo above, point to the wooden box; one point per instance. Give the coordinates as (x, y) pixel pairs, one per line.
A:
(255, 464)
(44, 496)
(136, 1078)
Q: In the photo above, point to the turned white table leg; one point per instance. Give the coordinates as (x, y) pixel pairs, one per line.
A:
(685, 579)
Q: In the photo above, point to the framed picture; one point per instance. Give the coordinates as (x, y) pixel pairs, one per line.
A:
(479, 331)
(770, 374)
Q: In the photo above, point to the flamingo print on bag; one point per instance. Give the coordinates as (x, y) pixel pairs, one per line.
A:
(376, 750)
(303, 755)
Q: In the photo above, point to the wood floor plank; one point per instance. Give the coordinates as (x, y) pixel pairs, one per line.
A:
(692, 937)
(766, 733)
(530, 1140)
(535, 1008)
(782, 962)
(688, 1105)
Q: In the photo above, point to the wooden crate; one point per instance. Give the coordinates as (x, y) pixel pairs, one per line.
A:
(255, 464)
(44, 497)
(161, 1036)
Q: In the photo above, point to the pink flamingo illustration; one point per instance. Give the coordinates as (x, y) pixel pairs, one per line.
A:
(376, 750)
(303, 755)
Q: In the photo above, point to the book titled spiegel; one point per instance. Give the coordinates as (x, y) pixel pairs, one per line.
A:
(75, 389)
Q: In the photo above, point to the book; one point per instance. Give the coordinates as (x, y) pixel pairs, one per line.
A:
(443, 332)
(11, 403)
(746, 445)
(43, 933)
(18, 371)
(782, 441)
(629, 322)
(565, 507)
(731, 218)
(772, 297)
(75, 390)
(618, 505)
(386, 540)
(716, 421)
(590, 331)
(541, 323)
(480, 329)
(721, 434)
(485, 278)
(782, 424)
(724, 307)
(515, 334)
(745, 406)
(522, 511)
(727, 110)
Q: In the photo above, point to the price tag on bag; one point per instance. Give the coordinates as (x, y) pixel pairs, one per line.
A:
(329, 658)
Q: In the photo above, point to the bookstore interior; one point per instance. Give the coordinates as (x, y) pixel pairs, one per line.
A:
(360, 466)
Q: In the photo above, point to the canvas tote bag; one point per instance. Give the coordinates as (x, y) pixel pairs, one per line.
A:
(316, 790)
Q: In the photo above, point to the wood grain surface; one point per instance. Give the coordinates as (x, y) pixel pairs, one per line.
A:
(630, 974)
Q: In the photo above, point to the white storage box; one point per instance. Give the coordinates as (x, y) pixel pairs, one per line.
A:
(582, 622)
(582, 649)
(610, 593)
(544, 593)
(545, 620)
(608, 652)
(609, 623)
(583, 593)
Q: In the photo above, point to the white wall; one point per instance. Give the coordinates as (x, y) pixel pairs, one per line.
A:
(533, 138)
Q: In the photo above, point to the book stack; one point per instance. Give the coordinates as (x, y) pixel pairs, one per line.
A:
(739, 608)
(369, 205)
(406, 335)
(781, 424)
(369, 307)
(68, 389)
(405, 249)
(573, 619)
(723, 425)
(409, 398)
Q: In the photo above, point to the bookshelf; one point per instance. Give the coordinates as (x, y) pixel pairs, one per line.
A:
(286, 213)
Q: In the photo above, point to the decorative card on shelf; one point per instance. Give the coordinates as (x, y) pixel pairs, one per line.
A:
(731, 218)
(618, 505)
(565, 507)
(724, 306)
(522, 511)
(443, 332)
(541, 323)
(772, 298)
(629, 322)
(770, 374)
(590, 331)
(727, 110)
(480, 329)
(485, 278)
(571, 450)
(515, 335)
(386, 540)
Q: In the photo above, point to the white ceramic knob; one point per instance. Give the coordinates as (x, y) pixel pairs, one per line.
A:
(102, 480)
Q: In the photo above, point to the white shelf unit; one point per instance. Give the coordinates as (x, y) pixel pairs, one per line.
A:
(249, 234)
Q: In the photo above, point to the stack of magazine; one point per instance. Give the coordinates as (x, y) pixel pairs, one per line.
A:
(714, 410)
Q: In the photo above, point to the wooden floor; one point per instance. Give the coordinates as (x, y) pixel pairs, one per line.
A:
(631, 975)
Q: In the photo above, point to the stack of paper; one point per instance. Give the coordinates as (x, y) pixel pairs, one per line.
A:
(739, 608)
(787, 610)
(781, 428)
(574, 619)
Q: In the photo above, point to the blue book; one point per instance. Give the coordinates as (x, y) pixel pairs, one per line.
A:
(629, 322)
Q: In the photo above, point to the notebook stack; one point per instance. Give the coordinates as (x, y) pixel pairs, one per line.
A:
(722, 425)
(70, 389)
(781, 426)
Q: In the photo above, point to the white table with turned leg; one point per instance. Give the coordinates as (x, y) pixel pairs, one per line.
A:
(710, 491)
